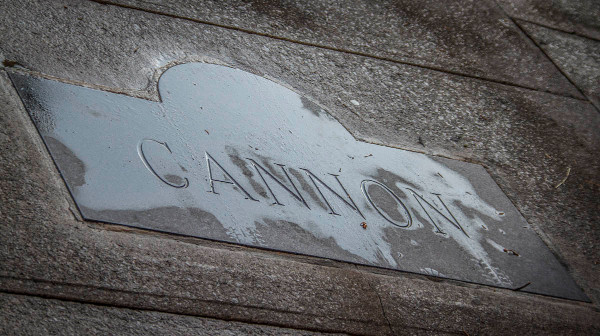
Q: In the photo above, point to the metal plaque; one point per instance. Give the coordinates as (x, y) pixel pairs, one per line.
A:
(232, 156)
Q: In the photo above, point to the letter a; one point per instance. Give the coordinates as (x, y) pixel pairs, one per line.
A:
(212, 181)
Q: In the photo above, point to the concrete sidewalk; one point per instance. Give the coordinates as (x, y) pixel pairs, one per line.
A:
(512, 85)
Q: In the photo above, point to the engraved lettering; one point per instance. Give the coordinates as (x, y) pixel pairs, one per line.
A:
(452, 221)
(142, 155)
(212, 181)
(295, 194)
(364, 187)
(350, 204)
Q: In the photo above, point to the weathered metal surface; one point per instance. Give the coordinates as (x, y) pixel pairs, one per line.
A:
(231, 156)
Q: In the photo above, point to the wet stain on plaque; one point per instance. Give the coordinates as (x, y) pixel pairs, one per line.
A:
(72, 168)
(275, 233)
(262, 166)
(163, 219)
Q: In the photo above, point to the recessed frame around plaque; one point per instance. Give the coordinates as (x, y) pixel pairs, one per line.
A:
(232, 156)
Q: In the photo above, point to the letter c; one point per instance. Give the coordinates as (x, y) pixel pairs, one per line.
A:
(185, 184)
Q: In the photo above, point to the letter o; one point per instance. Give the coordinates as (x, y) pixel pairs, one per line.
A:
(364, 185)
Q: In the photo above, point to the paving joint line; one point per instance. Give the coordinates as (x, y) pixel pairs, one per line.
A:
(66, 298)
(99, 304)
(556, 29)
(515, 20)
(346, 51)
(555, 64)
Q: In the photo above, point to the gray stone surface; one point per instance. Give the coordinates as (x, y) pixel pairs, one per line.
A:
(526, 139)
(110, 147)
(581, 17)
(30, 315)
(578, 57)
(47, 251)
(482, 314)
(471, 37)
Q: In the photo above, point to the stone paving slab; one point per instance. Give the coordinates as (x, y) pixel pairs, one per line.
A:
(530, 315)
(472, 37)
(473, 120)
(30, 315)
(47, 251)
(528, 140)
(101, 143)
(577, 56)
(581, 17)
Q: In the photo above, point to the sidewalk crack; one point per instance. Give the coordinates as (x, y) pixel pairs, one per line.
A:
(387, 320)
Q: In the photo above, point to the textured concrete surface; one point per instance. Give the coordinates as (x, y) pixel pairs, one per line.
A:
(578, 57)
(470, 37)
(579, 17)
(47, 251)
(27, 315)
(479, 314)
(102, 174)
(527, 139)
